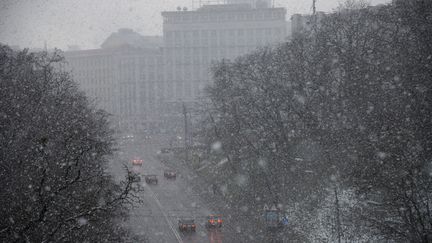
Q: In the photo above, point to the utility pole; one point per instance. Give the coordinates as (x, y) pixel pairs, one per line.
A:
(314, 17)
(314, 7)
(186, 132)
(338, 223)
(190, 129)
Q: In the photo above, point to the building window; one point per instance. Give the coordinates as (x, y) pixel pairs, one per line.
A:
(213, 38)
(187, 38)
(204, 18)
(231, 17)
(222, 17)
(188, 88)
(195, 38)
(204, 38)
(213, 17)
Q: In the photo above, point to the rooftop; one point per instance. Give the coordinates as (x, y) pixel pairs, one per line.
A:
(129, 37)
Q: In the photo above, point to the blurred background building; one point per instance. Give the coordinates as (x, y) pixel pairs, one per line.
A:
(195, 39)
(123, 78)
(149, 82)
(215, 30)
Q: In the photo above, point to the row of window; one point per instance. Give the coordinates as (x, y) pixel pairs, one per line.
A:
(217, 36)
(190, 73)
(226, 43)
(204, 56)
(107, 62)
(225, 17)
(104, 76)
(130, 102)
(183, 90)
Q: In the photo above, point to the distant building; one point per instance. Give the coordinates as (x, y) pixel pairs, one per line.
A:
(123, 77)
(129, 37)
(303, 23)
(194, 39)
(144, 80)
(253, 3)
(73, 48)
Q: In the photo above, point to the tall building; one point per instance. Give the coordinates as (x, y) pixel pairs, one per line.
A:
(304, 23)
(194, 39)
(123, 78)
(144, 80)
(253, 3)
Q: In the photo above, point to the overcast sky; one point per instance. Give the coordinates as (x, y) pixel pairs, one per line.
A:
(87, 23)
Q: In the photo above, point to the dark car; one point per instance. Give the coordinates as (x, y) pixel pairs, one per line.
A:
(186, 225)
(214, 221)
(170, 174)
(151, 179)
(274, 219)
(165, 150)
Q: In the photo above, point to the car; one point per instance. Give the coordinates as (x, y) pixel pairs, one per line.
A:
(135, 177)
(151, 179)
(274, 219)
(165, 150)
(214, 221)
(138, 162)
(187, 225)
(170, 174)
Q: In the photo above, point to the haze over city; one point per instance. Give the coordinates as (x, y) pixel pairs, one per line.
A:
(222, 121)
(87, 23)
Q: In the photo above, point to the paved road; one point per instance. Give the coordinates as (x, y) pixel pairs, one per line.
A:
(164, 203)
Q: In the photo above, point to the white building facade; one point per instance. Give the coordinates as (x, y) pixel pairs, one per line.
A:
(195, 39)
(122, 79)
(145, 80)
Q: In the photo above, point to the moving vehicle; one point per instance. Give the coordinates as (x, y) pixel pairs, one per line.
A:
(165, 150)
(151, 179)
(138, 162)
(274, 219)
(170, 174)
(135, 177)
(186, 225)
(214, 221)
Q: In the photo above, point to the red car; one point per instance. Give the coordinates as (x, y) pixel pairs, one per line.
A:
(214, 221)
(138, 162)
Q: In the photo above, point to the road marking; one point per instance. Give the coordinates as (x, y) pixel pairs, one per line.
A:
(176, 234)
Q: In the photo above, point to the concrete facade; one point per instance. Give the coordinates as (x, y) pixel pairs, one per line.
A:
(195, 39)
(144, 80)
(123, 80)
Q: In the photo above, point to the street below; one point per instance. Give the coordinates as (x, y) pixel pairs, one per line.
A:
(166, 202)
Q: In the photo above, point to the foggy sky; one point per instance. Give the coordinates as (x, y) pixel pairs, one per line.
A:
(87, 23)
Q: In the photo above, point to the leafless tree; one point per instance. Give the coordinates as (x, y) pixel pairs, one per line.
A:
(54, 148)
(352, 99)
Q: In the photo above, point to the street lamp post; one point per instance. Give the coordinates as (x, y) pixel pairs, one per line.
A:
(186, 132)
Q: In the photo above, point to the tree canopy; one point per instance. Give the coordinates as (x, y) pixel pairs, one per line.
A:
(54, 148)
(344, 107)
